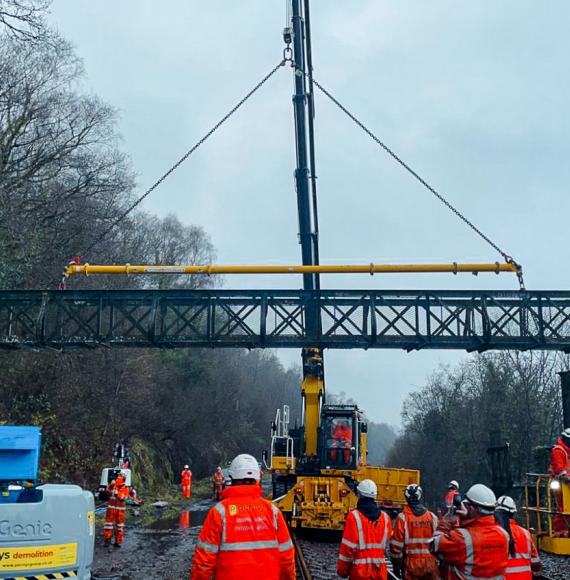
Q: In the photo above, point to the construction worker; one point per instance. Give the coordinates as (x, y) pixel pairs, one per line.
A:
(367, 530)
(452, 493)
(218, 484)
(115, 515)
(410, 546)
(342, 439)
(479, 547)
(244, 535)
(560, 471)
(523, 561)
(186, 482)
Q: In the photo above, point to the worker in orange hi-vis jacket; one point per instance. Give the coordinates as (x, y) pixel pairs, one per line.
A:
(186, 482)
(523, 562)
(244, 535)
(366, 533)
(218, 484)
(116, 512)
(478, 547)
(410, 546)
(560, 471)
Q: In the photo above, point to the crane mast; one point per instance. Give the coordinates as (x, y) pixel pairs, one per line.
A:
(312, 387)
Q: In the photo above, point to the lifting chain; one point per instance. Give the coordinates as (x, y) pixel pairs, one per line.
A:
(508, 259)
(287, 57)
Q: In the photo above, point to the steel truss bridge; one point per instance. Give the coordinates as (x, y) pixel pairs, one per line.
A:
(406, 319)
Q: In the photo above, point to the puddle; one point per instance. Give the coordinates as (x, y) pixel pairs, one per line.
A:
(184, 520)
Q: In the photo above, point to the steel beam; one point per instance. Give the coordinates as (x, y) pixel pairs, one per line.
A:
(406, 319)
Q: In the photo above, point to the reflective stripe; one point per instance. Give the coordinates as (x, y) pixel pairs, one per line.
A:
(349, 543)
(396, 543)
(535, 560)
(343, 558)
(222, 511)
(208, 547)
(517, 569)
(385, 521)
(436, 540)
(285, 546)
(373, 546)
(260, 545)
(419, 540)
(397, 556)
(418, 551)
(359, 527)
(369, 561)
(275, 516)
(469, 549)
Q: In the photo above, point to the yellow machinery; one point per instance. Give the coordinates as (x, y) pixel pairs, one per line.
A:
(542, 493)
(316, 468)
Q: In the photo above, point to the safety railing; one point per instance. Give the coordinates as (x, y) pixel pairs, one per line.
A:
(539, 505)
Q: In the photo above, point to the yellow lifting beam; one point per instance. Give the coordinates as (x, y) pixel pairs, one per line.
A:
(454, 268)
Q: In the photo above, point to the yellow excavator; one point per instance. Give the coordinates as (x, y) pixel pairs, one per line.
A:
(315, 468)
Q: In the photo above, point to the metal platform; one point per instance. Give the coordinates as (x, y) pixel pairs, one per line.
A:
(407, 319)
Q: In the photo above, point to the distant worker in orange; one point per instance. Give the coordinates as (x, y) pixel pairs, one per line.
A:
(186, 482)
(342, 439)
(479, 547)
(366, 534)
(218, 484)
(560, 471)
(452, 493)
(524, 562)
(244, 535)
(116, 511)
(411, 542)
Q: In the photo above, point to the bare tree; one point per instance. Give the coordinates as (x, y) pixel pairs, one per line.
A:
(24, 19)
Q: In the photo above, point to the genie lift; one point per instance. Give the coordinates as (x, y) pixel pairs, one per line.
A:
(46, 531)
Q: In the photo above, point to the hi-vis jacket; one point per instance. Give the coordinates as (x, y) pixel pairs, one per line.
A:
(526, 560)
(477, 550)
(560, 459)
(363, 548)
(411, 541)
(244, 536)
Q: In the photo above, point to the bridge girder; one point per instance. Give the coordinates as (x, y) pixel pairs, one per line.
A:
(382, 319)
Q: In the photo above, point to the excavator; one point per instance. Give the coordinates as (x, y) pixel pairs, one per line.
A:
(316, 468)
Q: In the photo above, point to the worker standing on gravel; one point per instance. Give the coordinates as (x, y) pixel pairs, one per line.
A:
(366, 533)
(523, 562)
(479, 547)
(116, 512)
(218, 484)
(560, 471)
(410, 546)
(244, 535)
(186, 482)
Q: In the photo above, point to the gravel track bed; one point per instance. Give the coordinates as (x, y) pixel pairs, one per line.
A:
(555, 567)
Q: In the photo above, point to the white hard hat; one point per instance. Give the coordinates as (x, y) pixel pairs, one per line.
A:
(218, 468)
(453, 484)
(244, 466)
(565, 436)
(481, 496)
(367, 488)
(186, 467)
(507, 504)
(413, 493)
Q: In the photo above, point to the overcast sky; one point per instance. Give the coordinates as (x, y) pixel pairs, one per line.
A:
(474, 95)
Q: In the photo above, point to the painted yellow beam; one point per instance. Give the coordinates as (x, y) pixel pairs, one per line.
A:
(453, 268)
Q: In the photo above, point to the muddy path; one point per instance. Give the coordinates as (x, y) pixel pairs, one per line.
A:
(160, 549)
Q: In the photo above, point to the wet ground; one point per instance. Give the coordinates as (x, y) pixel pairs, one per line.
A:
(160, 549)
